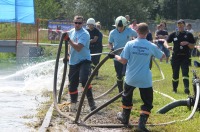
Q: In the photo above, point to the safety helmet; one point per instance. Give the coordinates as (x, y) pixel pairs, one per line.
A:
(91, 21)
(120, 21)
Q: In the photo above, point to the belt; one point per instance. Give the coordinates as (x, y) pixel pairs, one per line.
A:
(181, 54)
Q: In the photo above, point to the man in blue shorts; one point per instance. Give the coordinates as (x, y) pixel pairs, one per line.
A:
(161, 36)
(136, 54)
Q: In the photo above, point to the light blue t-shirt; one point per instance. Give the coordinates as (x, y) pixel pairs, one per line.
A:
(138, 53)
(120, 39)
(82, 37)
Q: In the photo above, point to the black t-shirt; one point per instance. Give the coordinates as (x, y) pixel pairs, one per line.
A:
(149, 37)
(93, 33)
(163, 33)
(177, 38)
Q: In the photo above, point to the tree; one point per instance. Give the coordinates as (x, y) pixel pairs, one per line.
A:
(46, 9)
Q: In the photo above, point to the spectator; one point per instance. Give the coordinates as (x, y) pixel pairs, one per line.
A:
(183, 41)
(128, 19)
(95, 42)
(165, 25)
(133, 24)
(117, 39)
(189, 28)
(161, 35)
(138, 75)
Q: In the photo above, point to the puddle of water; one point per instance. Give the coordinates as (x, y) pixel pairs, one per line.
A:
(20, 93)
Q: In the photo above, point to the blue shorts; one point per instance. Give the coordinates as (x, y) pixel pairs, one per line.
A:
(164, 49)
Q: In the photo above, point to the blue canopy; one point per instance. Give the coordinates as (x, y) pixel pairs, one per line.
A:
(17, 11)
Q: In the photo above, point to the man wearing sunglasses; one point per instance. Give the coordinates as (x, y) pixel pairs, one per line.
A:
(183, 41)
(79, 62)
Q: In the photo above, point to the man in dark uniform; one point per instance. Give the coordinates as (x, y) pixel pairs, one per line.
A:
(183, 41)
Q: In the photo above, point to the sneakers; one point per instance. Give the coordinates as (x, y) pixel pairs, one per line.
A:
(174, 90)
(73, 107)
(68, 107)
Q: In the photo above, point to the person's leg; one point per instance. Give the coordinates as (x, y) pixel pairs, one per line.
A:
(96, 58)
(160, 45)
(119, 73)
(146, 95)
(126, 104)
(84, 74)
(72, 87)
(167, 53)
(175, 63)
(185, 70)
(73, 82)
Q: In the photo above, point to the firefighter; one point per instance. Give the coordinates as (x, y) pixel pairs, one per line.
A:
(182, 41)
(117, 39)
(79, 63)
(136, 54)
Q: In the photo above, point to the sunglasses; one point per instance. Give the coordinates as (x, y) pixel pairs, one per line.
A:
(77, 22)
(180, 23)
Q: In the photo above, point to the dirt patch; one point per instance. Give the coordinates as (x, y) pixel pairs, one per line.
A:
(60, 124)
(105, 116)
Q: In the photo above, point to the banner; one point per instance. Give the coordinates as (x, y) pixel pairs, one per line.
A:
(56, 27)
(21, 11)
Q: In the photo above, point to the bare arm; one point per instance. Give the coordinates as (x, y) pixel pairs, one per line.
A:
(163, 56)
(76, 46)
(120, 59)
(183, 43)
(110, 46)
(94, 39)
(167, 45)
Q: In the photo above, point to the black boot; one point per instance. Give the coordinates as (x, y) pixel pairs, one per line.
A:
(187, 91)
(175, 85)
(142, 123)
(91, 100)
(186, 85)
(120, 85)
(124, 116)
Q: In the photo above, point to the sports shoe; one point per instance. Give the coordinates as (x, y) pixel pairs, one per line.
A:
(73, 107)
(174, 90)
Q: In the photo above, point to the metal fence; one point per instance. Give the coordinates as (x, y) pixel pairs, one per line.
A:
(39, 32)
(25, 32)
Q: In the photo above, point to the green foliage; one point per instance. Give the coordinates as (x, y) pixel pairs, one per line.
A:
(7, 55)
(47, 9)
(7, 31)
(106, 11)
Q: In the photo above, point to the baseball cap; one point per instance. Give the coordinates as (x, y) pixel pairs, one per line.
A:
(181, 21)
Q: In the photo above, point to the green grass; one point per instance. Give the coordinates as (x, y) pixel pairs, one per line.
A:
(107, 75)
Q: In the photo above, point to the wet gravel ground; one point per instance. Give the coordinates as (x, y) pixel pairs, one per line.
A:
(60, 124)
(104, 116)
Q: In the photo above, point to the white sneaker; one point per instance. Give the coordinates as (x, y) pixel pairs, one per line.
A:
(68, 107)
(73, 107)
